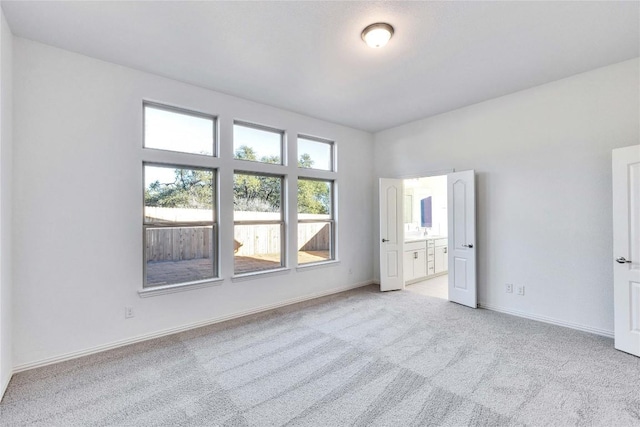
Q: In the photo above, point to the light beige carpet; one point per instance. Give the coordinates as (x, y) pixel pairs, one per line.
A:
(361, 358)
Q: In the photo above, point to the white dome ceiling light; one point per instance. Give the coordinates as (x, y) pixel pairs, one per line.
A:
(377, 35)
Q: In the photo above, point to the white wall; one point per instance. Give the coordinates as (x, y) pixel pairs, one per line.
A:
(6, 97)
(78, 206)
(543, 163)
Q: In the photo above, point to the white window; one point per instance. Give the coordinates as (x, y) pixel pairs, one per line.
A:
(179, 220)
(181, 167)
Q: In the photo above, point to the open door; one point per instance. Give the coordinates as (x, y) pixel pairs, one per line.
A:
(391, 234)
(461, 208)
(626, 248)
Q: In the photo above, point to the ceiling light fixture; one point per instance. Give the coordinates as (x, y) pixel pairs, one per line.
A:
(377, 35)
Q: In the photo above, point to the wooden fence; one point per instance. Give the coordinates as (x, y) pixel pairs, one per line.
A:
(184, 243)
(176, 244)
(314, 236)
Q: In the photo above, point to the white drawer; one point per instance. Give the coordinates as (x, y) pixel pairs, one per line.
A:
(431, 251)
(441, 242)
(430, 243)
(414, 246)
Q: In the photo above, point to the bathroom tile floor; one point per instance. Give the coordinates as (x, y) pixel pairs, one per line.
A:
(436, 287)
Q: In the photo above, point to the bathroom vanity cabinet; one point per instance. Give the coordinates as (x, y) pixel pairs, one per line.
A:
(441, 258)
(415, 260)
(424, 258)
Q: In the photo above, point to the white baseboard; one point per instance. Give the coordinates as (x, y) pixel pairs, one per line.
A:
(3, 387)
(577, 326)
(170, 331)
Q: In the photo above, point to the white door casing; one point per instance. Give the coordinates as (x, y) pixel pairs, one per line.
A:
(626, 248)
(391, 234)
(461, 211)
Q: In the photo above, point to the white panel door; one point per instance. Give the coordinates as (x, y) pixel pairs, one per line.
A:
(391, 234)
(626, 248)
(461, 209)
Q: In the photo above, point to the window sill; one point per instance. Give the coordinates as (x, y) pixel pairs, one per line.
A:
(179, 287)
(320, 264)
(260, 274)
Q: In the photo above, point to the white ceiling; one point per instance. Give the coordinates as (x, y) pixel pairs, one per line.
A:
(308, 56)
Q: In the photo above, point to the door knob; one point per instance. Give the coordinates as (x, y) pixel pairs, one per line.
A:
(385, 240)
(623, 260)
(468, 246)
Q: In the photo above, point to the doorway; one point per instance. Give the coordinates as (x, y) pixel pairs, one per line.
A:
(425, 227)
(460, 261)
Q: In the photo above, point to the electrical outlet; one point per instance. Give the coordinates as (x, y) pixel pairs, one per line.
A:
(128, 312)
(508, 288)
(520, 289)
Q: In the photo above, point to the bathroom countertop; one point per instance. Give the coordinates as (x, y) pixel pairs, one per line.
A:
(424, 238)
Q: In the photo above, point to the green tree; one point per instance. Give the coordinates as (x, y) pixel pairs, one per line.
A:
(305, 161)
(191, 188)
(244, 152)
(314, 197)
(256, 193)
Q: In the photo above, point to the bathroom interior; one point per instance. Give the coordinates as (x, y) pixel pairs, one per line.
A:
(425, 235)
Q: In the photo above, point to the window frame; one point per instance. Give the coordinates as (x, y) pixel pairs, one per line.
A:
(282, 221)
(224, 166)
(215, 149)
(264, 128)
(331, 221)
(185, 160)
(215, 250)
